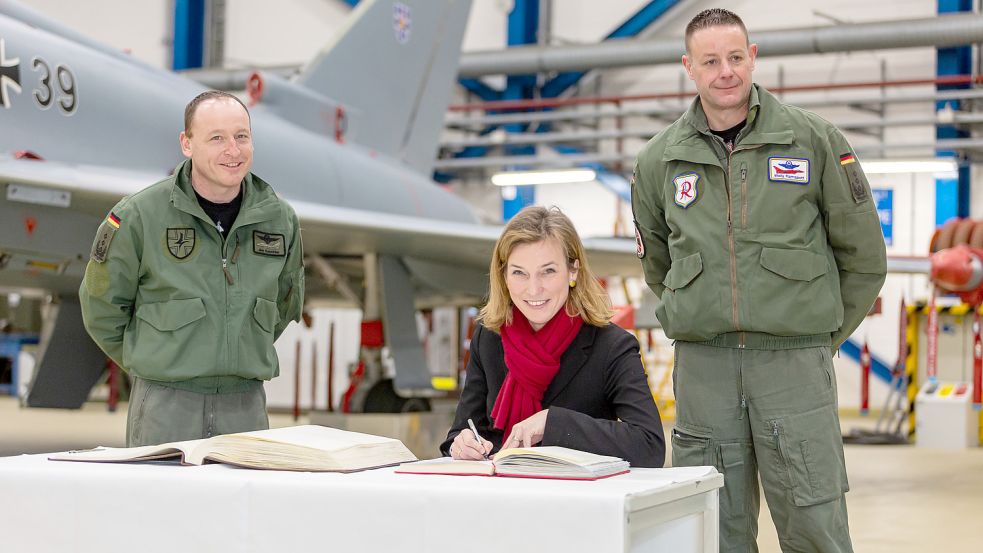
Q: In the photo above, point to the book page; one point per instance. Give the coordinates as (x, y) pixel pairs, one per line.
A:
(562, 454)
(308, 447)
(316, 437)
(122, 454)
(447, 465)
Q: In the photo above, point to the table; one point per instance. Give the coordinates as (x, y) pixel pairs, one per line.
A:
(62, 507)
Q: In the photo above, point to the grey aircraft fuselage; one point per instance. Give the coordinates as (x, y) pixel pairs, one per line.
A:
(79, 105)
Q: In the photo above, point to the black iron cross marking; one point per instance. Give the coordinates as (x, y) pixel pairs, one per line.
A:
(9, 76)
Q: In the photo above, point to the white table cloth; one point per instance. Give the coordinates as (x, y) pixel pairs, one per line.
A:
(62, 507)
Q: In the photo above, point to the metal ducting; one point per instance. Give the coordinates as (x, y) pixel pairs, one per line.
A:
(942, 31)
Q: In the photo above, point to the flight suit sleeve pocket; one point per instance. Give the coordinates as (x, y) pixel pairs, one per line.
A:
(857, 239)
(794, 264)
(683, 271)
(266, 315)
(810, 447)
(171, 315)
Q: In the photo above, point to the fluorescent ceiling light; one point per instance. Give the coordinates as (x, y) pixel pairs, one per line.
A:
(520, 178)
(909, 166)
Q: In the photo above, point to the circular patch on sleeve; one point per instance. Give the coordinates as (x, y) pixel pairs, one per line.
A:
(96, 278)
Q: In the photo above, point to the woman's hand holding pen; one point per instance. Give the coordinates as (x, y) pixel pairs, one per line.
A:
(469, 445)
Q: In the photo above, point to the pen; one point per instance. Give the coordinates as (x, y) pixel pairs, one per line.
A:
(475, 432)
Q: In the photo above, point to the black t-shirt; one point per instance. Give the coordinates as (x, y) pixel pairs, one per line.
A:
(730, 135)
(223, 215)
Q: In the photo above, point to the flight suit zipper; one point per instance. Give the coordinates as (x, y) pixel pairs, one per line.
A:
(233, 260)
(730, 243)
(780, 450)
(744, 195)
(730, 232)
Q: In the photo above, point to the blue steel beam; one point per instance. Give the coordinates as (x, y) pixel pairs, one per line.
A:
(878, 368)
(481, 90)
(631, 27)
(522, 26)
(188, 51)
(952, 195)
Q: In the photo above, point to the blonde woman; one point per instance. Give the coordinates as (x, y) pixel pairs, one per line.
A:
(546, 366)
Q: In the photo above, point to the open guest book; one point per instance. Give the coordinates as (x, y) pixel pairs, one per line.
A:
(527, 462)
(299, 448)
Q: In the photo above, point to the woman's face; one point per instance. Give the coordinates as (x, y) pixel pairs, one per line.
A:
(538, 279)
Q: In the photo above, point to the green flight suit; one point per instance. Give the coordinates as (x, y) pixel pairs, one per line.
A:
(179, 307)
(766, 258)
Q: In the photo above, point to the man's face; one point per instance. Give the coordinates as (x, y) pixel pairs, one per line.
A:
(220, 145)
(720, 62)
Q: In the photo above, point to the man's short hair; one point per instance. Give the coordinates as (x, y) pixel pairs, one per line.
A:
(192, 107)
(714, 17)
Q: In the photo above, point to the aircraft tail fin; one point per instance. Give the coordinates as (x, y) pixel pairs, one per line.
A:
(394, 63)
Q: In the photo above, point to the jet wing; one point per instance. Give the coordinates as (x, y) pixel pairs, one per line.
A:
(92, 189)
(50, 212)
(348, 231)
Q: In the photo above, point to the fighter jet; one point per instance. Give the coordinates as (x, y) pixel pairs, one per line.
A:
(350, 142)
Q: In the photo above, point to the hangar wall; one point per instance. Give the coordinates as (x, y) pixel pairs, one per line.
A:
(292, 31)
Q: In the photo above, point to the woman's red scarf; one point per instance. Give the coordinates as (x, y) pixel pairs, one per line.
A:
(533, 359)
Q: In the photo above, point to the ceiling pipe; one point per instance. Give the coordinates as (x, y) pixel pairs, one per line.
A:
(589, 136)
(453, 120)
(961, 144)
(540, 103)
(942, 31)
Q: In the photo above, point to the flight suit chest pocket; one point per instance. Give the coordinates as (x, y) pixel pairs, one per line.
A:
(266, 314)
(164, 343)
(690, 303)
(171, 315)
(791, 294)
(683, 272)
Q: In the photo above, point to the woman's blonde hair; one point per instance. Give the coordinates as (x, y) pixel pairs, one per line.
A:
(587, 299)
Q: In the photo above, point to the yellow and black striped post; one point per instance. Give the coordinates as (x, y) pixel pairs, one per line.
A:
(911, 366)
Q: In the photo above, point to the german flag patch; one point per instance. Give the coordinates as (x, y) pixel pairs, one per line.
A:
(104, 237)
(854, 177)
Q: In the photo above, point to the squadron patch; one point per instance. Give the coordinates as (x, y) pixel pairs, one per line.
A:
(854, 176)
(265, 243)
(788, 169)
(104, 237)
(181, 242)
(639, 245)
(686, 190)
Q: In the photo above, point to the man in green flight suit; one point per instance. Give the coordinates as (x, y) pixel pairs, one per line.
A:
(192, 279)
(756, 228)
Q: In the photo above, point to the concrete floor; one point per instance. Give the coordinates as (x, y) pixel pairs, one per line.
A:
(903, 499)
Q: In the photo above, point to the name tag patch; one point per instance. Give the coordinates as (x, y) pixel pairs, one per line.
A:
(265, 243)
(788, 169)
(686, 191)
